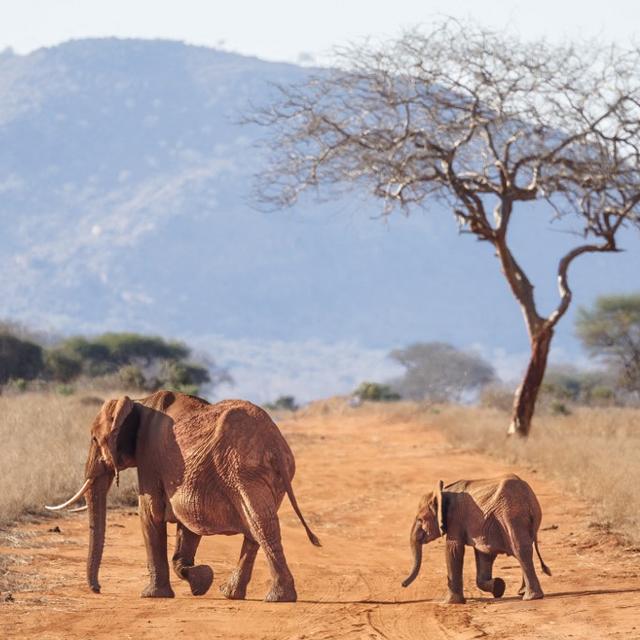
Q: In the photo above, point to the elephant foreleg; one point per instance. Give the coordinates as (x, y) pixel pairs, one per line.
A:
(154, 532)
(455, 561)
(484, 569)
(199, 577)
(236, 586)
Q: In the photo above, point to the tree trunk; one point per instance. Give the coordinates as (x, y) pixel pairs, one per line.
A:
(525, 399)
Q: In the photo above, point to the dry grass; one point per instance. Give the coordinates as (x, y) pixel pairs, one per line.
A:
(594, 453)
(44, 440)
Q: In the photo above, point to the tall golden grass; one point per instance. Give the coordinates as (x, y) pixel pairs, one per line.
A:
(593, 452)
(44, 439)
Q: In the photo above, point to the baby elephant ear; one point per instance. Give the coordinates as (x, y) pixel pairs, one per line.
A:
(441, 508)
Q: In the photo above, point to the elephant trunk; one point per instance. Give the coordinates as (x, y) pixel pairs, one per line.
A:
(97, 507)
(417, 540)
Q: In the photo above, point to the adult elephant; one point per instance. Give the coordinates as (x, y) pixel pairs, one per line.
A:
(211, 468)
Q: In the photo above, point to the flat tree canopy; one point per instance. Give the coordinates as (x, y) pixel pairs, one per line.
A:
(439, 372)
(481, 122)
(611, 330)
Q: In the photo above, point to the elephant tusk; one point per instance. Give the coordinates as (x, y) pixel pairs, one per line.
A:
(71, 500)
(84, 507)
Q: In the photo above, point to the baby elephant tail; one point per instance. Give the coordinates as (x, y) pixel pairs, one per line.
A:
(545, 568)
(294, 503)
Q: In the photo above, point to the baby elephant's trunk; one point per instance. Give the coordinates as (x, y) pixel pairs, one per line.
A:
(417, 540)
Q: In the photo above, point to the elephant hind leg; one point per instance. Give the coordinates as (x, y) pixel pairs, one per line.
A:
(484, 569)
(236, 586)
(261, 517)
(523, 587)
(199, 577)
(532, 589)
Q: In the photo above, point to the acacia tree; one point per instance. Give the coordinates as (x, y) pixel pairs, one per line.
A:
(439, 372)
(481, 122)
(611, 330)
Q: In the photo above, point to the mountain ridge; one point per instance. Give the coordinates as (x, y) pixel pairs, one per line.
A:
(125, 204)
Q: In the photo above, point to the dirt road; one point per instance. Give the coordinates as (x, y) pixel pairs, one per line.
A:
(360, 476)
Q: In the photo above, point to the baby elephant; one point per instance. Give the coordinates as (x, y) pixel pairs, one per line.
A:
(500, 515)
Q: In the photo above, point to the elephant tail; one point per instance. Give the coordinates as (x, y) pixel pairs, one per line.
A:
(544, 567)
(292, 498)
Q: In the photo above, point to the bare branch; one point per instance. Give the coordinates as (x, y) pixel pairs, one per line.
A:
(482, 122)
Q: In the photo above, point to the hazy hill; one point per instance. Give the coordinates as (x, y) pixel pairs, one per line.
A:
(124, 204)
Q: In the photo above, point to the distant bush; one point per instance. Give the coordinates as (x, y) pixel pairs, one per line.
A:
(65, 390)
(283, 403)
(131, 377)
(566, 383)
(376, 392)
(611, 331)
(496, 396)
(18, 385)
(128, 360)
(439, 372)
(139, 362)
(559, 409)
(19, 358)
(62, 366)
(182, 375)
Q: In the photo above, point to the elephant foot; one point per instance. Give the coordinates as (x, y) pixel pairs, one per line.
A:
(498, 587)
(533, 595)
(280, 593)
(522, 590)
(153, 591)
(454, 598)
(234, 590)
(199, 578)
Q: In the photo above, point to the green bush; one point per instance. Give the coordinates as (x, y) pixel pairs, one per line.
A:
(65, 390)
(566, 383)
(131, 377)
(132, 360)
(439, 372)
(496, 396)
(286, 403)
(559, 409)
(19, 358)
(376, 392)
(61, 366)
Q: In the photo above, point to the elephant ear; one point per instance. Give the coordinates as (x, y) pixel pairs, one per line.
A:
(441, 508)
(119, 414)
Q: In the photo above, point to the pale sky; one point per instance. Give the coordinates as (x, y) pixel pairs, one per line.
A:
(285, 29)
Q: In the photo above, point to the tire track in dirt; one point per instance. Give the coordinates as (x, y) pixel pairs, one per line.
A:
(360, 476)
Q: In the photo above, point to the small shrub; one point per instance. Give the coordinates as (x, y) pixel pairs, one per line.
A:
(189, 389)
(601, 395)
(19, 358)
(131, 377)
(65, 390)
(496, 397)
(376, 392)
(18, 384)
(559, 409)
(283, 403)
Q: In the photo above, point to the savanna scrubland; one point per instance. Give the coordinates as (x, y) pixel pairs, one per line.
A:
(591, 452)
